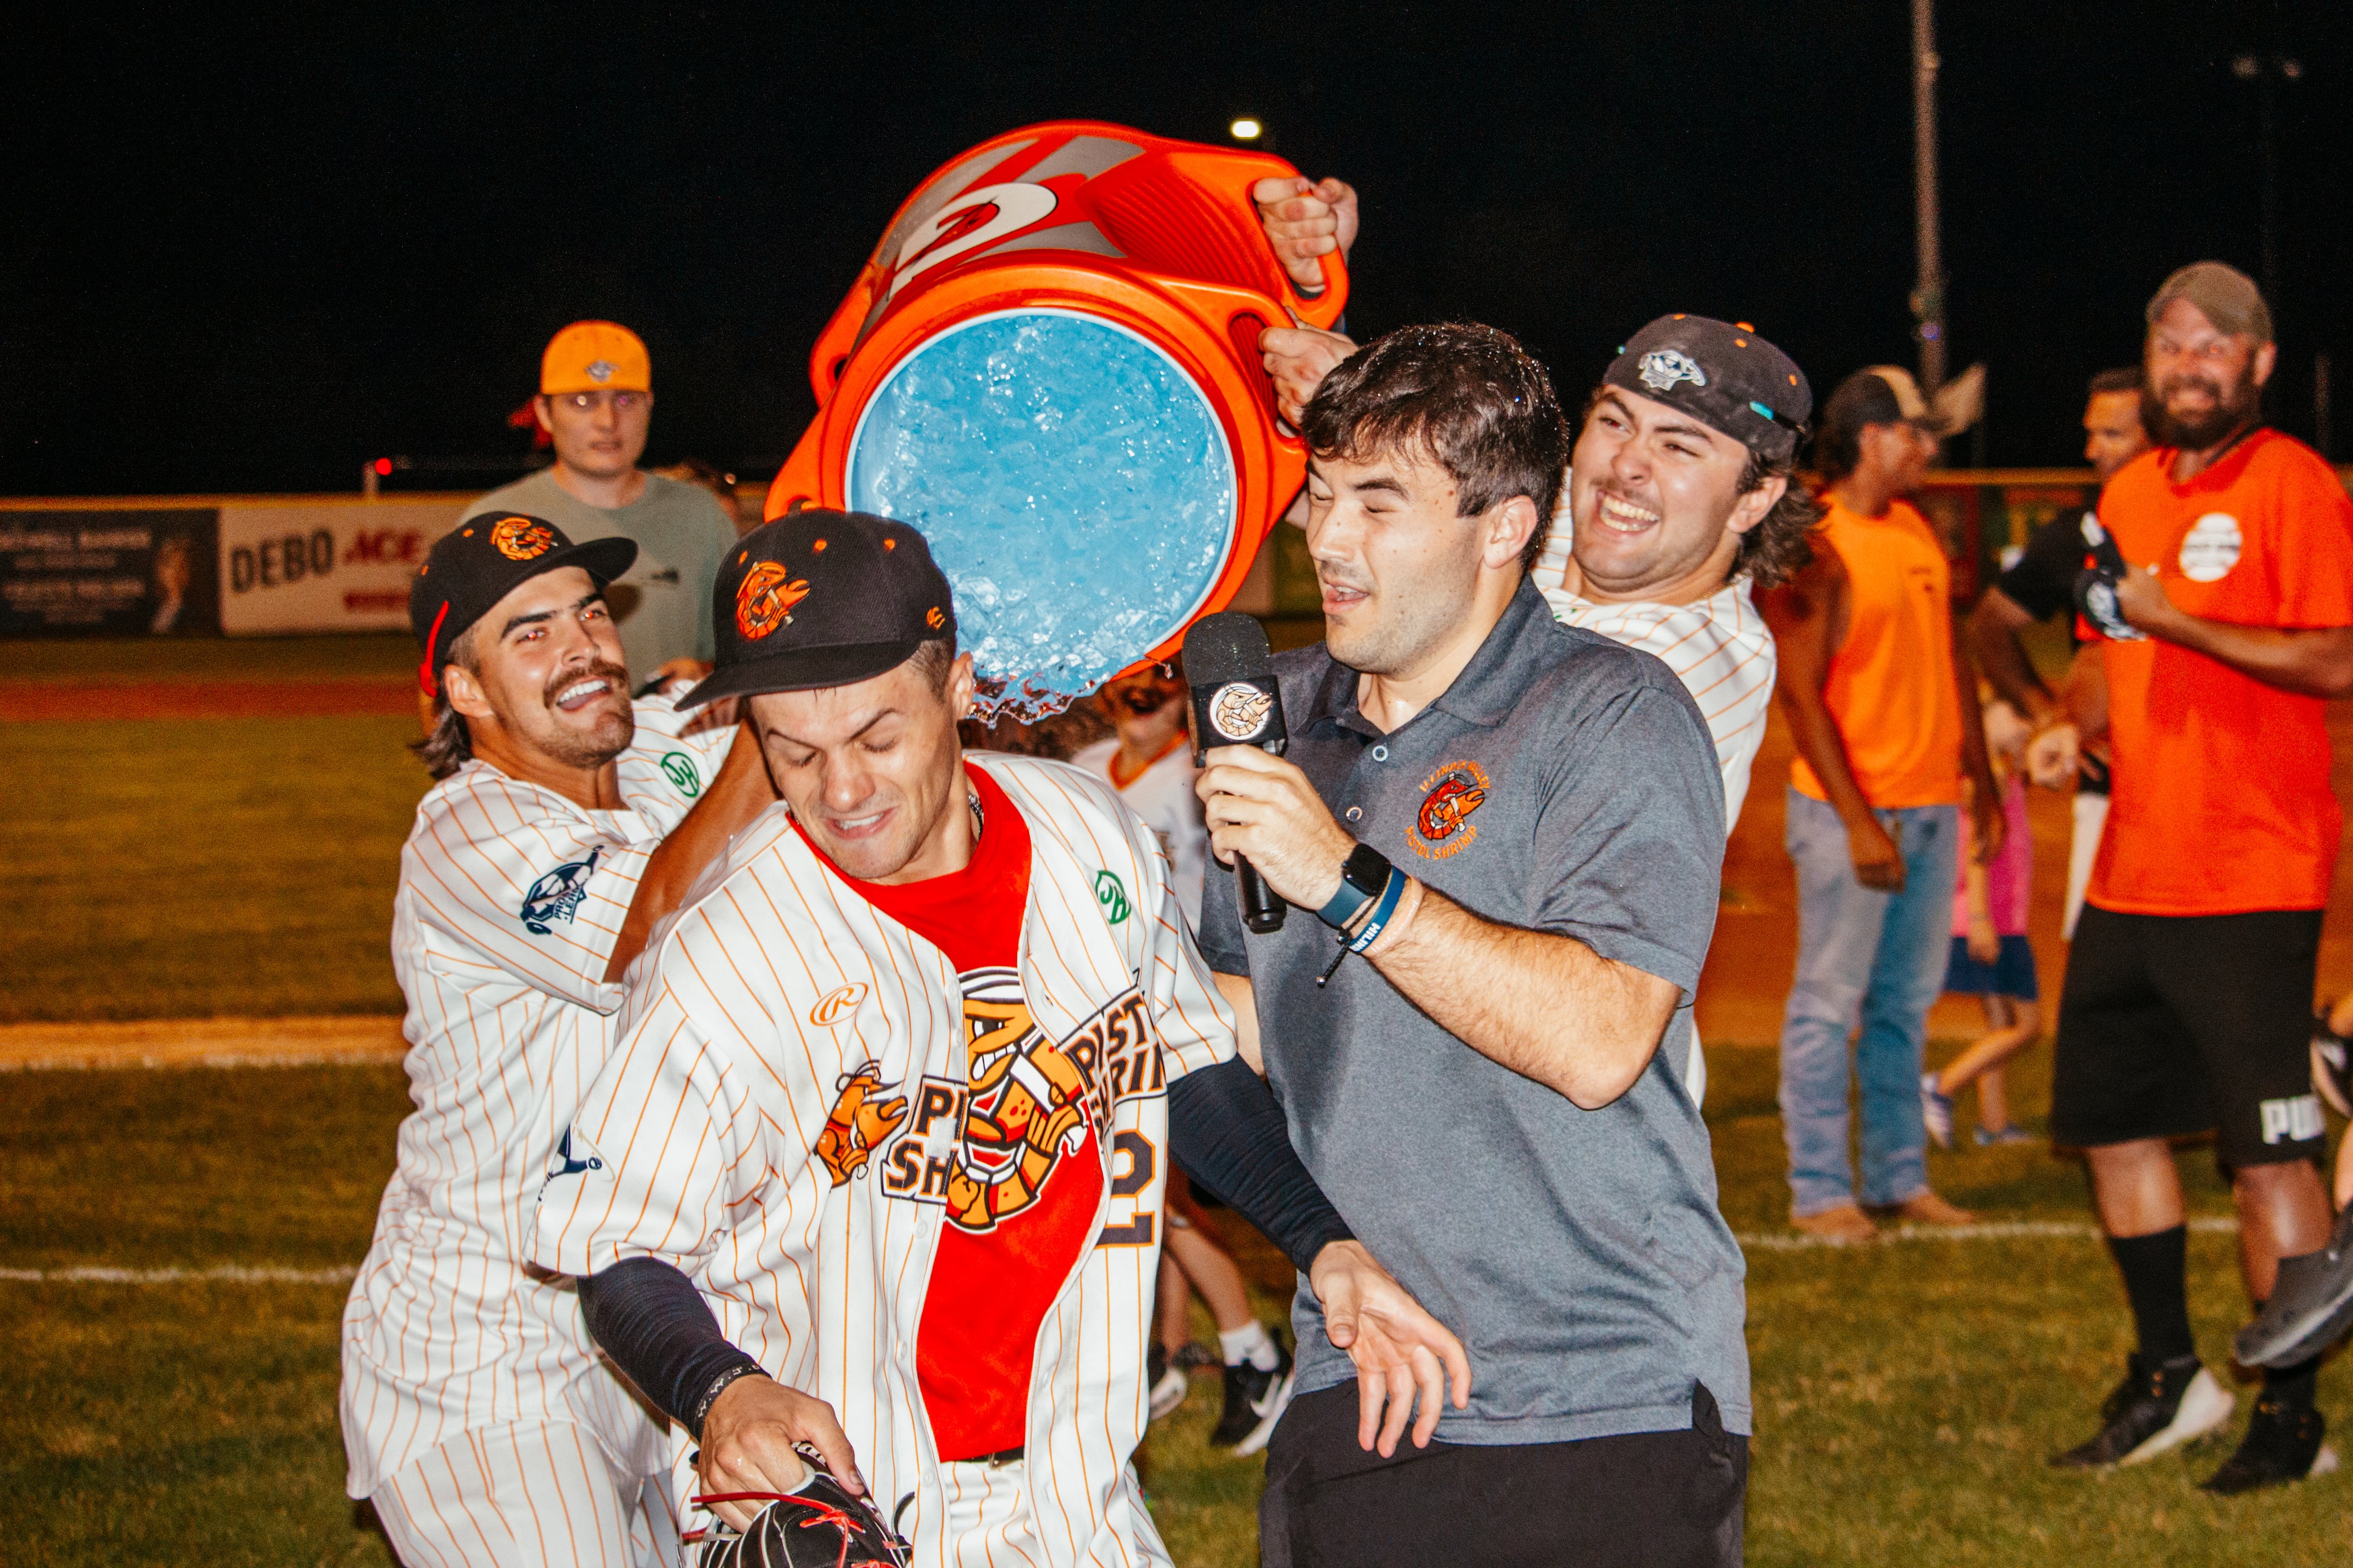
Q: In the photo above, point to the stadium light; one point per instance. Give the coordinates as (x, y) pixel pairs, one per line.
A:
(1246, 129)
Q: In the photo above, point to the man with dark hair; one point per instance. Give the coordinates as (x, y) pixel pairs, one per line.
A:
(897, 1098)
(1494, 1091)
(2226, 614)
(565, 822)
(2070, 734)
(1881, 697)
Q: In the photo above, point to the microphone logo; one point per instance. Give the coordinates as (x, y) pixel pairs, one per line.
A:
(1239, 711)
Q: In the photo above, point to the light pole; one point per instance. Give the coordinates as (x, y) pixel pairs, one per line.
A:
(1928, 294)
(2267, 71)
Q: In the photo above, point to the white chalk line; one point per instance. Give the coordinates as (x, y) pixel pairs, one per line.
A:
(227, 1274)
(1777, 1241)
(1988, 1230)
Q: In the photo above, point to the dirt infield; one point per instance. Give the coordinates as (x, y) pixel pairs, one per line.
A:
(21, 700)
(201, 1042)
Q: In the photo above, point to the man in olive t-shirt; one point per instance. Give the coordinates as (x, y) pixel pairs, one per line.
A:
(595, 400)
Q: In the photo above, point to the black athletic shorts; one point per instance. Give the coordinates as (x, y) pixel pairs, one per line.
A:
(1649, 1499)
(2171, 1025)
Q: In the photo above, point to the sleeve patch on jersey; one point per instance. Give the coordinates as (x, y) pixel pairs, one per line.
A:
(1111, 894)
(679, 768)
(557, 895)
(575, 1156)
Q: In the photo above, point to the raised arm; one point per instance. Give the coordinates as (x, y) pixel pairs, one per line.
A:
(741, 791)
(1808, 615)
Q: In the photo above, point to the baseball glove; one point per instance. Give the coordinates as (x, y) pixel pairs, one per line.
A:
(823, 1525)
(2095, 584)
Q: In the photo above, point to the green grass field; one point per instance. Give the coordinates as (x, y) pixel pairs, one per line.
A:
(1905, 1394)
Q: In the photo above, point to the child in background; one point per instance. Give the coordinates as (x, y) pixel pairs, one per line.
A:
(1990, 958)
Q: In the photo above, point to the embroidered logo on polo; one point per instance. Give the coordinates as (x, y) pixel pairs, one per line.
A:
(2211, 547)
(557, 896)
(679, 768)
(1662, 368)
(521, 538)
(1239, 711)
(1443, 827)
(766, 600)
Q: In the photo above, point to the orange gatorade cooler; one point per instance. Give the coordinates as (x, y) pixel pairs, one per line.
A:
(1051, 367)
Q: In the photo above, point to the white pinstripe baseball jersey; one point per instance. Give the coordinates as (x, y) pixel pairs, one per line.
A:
(1719, 648)
(784, 1118)
(510, 899)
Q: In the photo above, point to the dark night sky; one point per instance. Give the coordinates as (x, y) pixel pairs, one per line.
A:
(247, 254)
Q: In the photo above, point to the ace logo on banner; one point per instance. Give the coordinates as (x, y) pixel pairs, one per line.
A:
(325, 566)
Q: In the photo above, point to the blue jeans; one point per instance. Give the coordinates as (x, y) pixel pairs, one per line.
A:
(1872, 958)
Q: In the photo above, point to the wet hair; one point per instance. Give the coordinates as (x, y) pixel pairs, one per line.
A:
(449, 745)
(1467, 396)
(932, 660)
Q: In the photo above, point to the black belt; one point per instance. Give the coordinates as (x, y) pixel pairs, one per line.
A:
(1002, 1456)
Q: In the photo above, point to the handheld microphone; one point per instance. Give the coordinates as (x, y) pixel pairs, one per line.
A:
(1236, 703)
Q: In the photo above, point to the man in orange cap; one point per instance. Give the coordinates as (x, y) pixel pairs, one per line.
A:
(596, 401)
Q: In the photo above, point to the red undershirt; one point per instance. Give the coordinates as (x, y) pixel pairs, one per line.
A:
(1019, 1218)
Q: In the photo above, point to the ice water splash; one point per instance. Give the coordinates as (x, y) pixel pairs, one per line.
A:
(1072, 482)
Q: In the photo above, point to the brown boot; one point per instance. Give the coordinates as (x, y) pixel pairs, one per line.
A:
(1927, 1209)
(1840, 1226)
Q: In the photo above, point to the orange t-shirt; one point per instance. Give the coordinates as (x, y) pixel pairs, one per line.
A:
(1019, 1216)
(2220, 802)
(1891, 687)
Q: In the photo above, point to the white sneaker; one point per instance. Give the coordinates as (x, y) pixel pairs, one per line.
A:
(1169, 1392)
(1936, 1110)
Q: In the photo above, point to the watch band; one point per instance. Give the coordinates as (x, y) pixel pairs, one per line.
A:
(1362, 876)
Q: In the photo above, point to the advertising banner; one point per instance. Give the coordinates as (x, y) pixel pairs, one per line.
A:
(326, 566)
(109, 572)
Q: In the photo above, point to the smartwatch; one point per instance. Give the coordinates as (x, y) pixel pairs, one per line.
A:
(1362, 876)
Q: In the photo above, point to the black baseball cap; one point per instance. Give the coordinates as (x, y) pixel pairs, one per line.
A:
(1722, 374)
(481, 561)
(823, 598)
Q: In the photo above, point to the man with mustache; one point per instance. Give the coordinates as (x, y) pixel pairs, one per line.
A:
(2188, 1003)
(565, 821)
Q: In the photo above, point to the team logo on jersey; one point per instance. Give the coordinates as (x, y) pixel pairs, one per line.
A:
(1662, 368)
(1111, 894)
(679, 768)
(838, 1003)
(1443, 827)
(2211, 547)
(557, 895)
(1025, 1106)
(569, 1162)
(521, 538)
(766, 600)
(861, 1121)
(1239, 709)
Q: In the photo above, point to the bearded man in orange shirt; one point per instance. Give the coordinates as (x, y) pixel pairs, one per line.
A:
(1875, 687)
(2224, 585)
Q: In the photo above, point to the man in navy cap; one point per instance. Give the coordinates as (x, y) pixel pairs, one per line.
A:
(564, 820)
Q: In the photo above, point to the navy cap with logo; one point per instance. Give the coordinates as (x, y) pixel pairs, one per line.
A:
(1722, 374)
(483, 560)
(823, 598)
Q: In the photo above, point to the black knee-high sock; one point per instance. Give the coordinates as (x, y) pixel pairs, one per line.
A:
(2155, 1272)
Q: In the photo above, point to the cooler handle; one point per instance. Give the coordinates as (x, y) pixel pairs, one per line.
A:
(1320, 311)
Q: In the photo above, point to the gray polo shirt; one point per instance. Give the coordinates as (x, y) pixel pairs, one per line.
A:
(662, 605)
(1563, 783)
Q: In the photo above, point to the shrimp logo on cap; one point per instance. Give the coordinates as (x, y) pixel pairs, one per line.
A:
(766, 600)
(1443, 827)
(1239, 711)
(521, 538)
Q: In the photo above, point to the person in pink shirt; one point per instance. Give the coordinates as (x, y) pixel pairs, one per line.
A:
(1991, 959)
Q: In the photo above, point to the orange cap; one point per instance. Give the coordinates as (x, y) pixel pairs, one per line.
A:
(595, 356)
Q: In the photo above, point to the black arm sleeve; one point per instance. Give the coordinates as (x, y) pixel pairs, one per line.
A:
(2042, 584)
(1226, 1131)
(655, 1325)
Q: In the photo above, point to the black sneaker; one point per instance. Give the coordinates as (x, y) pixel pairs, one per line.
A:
(2332, 1064)
(1254, 1402)
(2283, 1443)
(2311, 1306)
(2158, 1406)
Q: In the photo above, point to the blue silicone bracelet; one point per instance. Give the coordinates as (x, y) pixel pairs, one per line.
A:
(1381, 913)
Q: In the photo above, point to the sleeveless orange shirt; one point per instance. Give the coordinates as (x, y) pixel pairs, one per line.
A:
(1891, 689)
